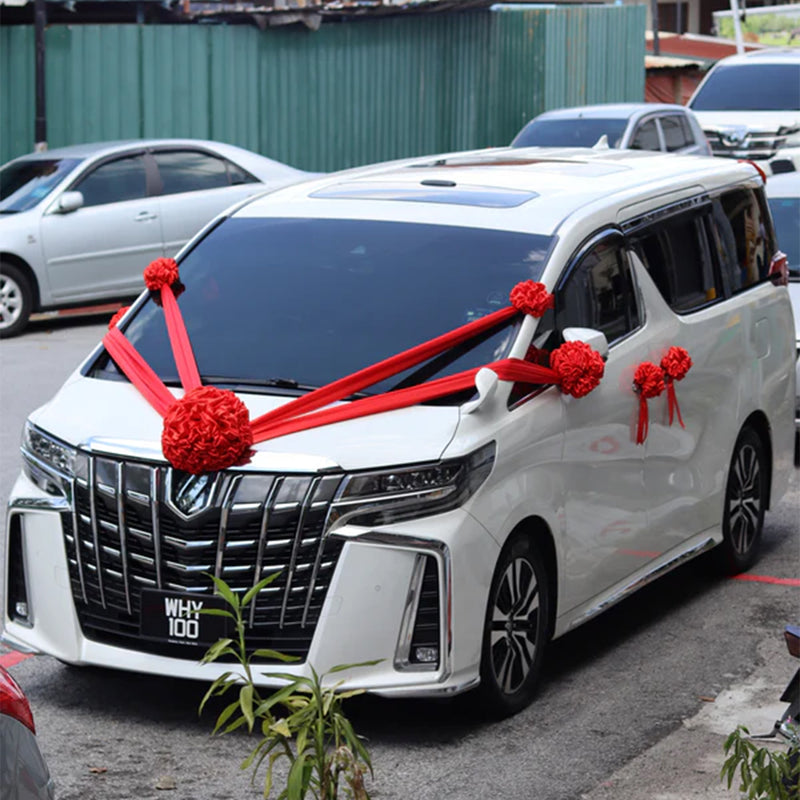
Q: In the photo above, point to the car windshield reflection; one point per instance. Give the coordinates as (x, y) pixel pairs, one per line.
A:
(26, 182)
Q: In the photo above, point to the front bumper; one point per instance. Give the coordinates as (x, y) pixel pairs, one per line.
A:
(364, 616)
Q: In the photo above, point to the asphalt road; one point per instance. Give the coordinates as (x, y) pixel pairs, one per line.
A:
(616, 691)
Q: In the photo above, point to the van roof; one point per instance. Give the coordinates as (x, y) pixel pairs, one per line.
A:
(528, 189)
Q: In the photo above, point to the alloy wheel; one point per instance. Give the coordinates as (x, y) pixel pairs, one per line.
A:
(11, 301)
(514, 625)
(744, 499)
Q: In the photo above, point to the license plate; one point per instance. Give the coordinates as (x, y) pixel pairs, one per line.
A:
(175, 617)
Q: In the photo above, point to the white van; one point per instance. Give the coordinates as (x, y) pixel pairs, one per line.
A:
(451, 538)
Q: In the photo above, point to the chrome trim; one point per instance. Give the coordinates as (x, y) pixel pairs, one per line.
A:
(441, 552)
(95, 531)
(298, 537)
(444, 691)
(225, 511)
(77, 540)
(122, 531)
(262, 536)
(39, 504)
(260, 461)
(155, 485)
(403, 648)
(648, 577)
(8, 639)
(173, 506)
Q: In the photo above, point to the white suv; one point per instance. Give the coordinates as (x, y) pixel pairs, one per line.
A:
(447, 510)
(749, 107)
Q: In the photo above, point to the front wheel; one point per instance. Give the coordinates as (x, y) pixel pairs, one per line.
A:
(16, 300)
(745, 503)
(516, 629)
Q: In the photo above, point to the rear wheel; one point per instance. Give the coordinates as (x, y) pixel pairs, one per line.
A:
(516, 629)
(16, 300)
(745, 503)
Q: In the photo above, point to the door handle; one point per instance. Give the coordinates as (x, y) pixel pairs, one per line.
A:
(144, 216)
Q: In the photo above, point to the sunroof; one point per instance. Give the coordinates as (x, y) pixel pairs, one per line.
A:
(429, 192)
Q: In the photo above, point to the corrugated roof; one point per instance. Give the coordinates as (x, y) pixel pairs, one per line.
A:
(705, 49)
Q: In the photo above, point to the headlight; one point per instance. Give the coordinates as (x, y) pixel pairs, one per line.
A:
(48, 462)
(376, 498)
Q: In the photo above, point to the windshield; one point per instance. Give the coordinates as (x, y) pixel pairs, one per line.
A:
(271, 302)
(570, 132)
(786, 216)
(26, 182)
(751, 87)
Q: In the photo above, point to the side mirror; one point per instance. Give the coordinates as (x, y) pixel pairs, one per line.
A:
(69, 201)
(594, 338)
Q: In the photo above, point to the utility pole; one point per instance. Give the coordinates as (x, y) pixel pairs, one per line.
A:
(40, 124)
(654, 25)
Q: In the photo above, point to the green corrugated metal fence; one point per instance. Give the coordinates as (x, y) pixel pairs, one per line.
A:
(347, 94)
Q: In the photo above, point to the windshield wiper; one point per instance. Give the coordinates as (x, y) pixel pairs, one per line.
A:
(250, 384)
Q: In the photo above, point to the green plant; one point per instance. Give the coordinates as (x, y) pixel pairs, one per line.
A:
(764, 774)
(326, 759)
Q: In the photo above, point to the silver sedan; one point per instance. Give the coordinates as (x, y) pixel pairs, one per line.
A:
(78, 224)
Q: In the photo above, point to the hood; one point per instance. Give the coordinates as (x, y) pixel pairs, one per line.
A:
(89, 408)
(751, 121)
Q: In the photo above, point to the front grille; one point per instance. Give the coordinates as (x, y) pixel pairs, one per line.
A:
(755, 146)
(127, 532)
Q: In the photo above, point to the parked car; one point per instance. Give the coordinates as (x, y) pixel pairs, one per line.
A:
(749, 107)
(449, 528)
(76, 222)
(783, 194)
(23, 771)
(635, 126)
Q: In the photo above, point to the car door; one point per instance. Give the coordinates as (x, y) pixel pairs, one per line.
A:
(606, 506)
(100, 249)
(195, 186)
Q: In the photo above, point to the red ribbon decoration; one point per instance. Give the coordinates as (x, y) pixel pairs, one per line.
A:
(207, 429)
(648, 381)
(675, 364)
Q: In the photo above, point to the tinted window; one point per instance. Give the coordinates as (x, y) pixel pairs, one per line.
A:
(751, 87)
(191, 171)
(786, 216)
(646, 137)
(743, 238)
(676, 132)
(570, 132)
(678, 260)
(114, 181)
(314, 300)
(598, 293)
(23, 184)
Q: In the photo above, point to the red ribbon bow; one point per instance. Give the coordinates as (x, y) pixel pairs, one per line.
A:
(675, 364)
(648, 381)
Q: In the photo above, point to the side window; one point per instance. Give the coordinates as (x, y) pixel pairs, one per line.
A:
(678, 259)
(599, 292)
(676, 132)
(193, 171)
(743, 237)
(646, 137)
(114, 182)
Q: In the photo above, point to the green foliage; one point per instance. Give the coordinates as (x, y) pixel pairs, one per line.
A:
(302, 722)
(763, 774)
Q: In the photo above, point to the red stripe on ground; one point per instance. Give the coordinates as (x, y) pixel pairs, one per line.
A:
(768, 579)
(14, 657)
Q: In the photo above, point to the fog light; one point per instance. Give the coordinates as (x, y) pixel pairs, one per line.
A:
(21, 609)
(426, 655)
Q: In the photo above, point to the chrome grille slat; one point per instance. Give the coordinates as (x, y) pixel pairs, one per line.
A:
(121, 526)
(95, 532)
(155, 485)
(76, 537)
(223, 525)
(296, 546)
(269, 500)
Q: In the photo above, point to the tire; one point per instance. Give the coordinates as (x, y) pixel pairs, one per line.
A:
(745, 503)
(16, 300)
(516, 629)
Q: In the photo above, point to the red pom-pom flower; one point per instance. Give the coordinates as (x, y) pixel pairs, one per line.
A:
(531, 298)
(118, 316)
(159, 273)
(676, 363)
(578, 366)
(207, 430)
(648, 381)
